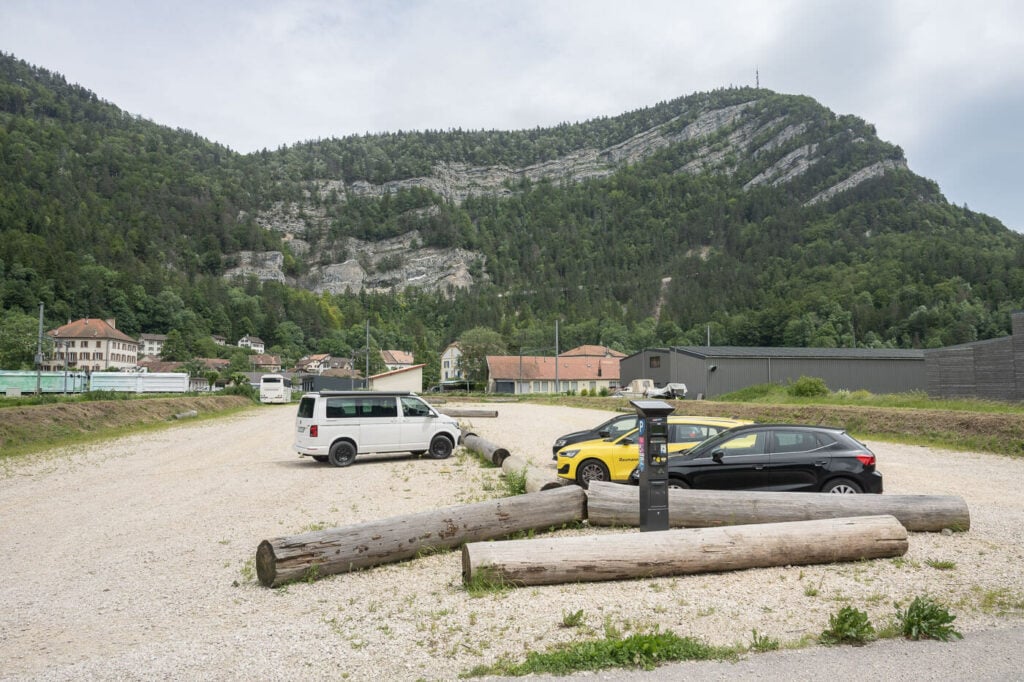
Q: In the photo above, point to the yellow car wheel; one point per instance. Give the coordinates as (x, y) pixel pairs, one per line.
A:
(591, 470)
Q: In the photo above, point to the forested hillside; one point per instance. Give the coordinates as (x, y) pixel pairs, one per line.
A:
(764, 217)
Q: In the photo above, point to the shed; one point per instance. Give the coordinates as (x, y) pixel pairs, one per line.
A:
(711, 371)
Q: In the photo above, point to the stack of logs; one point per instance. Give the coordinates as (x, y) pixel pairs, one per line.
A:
(712, 531)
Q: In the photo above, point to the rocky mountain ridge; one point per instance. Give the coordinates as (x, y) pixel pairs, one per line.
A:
(720, 137)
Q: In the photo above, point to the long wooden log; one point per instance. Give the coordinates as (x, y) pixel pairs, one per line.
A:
(613, 504)
(349, 548)
(494, 453)
(469, 412)
(554, 560)
(537, 479)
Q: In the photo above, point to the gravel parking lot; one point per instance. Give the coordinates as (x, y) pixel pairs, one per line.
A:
(133, 559)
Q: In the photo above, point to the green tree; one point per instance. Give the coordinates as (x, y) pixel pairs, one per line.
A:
(175, 348)
(476, 345)
(19, 334)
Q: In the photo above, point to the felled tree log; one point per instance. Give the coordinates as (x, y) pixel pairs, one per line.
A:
(469, 412)
(612, 504)
(537, 479)
(349, 548)
(489, 450)
(551, 560)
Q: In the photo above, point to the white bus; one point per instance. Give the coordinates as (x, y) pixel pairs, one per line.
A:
(274, 388)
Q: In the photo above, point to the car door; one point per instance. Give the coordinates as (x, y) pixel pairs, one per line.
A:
(797, 458)
(621, 455)
(378, 424)
(738, 463)
(417, 423)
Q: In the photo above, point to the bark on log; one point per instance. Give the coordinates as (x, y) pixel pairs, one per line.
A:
(469, 412)
(489, 450)
(612, 504)
(340, 550)
(550, 561)
(537, 479)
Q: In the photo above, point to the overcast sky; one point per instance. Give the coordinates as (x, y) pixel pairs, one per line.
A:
(942, 79)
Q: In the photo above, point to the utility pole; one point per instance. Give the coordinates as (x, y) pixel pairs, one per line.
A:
(366, 381)
(557, 388)
(39, 353)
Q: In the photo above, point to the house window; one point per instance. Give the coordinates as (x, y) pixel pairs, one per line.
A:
(655, 361)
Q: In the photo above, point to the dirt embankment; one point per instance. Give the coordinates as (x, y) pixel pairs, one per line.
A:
(20, 426)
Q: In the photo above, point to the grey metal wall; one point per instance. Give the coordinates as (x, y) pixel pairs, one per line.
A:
(883, 375)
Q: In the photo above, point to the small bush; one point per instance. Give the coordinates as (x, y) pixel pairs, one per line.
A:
(848, 626)
(927, 619)
(807, 387)
(573, 619)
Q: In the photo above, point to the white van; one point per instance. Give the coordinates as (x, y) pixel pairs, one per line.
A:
(335, 426)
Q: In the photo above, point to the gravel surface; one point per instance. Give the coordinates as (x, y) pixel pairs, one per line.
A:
(134, 559)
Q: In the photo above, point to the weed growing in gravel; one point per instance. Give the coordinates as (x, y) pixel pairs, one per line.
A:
(515, 482)
(940, 564)
(485, 582)
(641, 650)
(1001, 601)
(848, 626)
(249, 570)
(927, 619)
(573, 619)
(762, 643)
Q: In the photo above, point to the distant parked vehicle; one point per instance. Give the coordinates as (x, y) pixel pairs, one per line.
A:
(668, 391)
(783, 457)
(274, 388)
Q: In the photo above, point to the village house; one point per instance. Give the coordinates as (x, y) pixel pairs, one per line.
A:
(91, 345)
(151, 344)
(589, 368)
(397, 359)
(451, 364)
(253, 343)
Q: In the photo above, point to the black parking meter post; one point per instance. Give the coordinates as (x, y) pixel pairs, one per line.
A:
(652, 424)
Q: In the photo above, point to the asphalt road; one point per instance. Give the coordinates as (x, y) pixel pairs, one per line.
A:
(986, 655)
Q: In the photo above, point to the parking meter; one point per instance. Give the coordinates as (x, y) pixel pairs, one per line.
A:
(652, 439)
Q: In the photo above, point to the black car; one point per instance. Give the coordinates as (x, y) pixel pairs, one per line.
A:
(784, 457)
(613, 428)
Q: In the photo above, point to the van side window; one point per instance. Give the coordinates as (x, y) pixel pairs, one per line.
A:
(383, 407)
(411, 407)
(339, 408)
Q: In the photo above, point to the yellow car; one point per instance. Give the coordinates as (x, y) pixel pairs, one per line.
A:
(613, 459)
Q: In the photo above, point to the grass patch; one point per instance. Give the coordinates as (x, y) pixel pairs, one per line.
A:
(640, 650)
(940, 565)
(514, 482)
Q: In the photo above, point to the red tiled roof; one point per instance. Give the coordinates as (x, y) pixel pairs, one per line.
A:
(573, 368)
(397, 371)
(396, 357)
(90, 328)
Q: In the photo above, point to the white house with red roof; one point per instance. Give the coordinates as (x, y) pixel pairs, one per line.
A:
(92, 345)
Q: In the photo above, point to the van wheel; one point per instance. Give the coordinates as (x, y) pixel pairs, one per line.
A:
(320, 458)
(440, 447)
(342, 454)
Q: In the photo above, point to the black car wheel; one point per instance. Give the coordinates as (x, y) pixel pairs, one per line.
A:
(342, 454)
(841, 486)
(678, 483)
(591, 470)
(320, 458)
(440, 447)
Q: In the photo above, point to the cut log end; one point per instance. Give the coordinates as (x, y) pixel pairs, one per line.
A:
(266, 564)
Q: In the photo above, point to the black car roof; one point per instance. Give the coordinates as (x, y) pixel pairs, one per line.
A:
(818, 427)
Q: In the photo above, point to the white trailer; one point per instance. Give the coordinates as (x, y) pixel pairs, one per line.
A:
(144, 382)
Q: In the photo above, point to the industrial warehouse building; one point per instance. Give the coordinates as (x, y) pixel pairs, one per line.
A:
(992, 369)
(714, 370)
